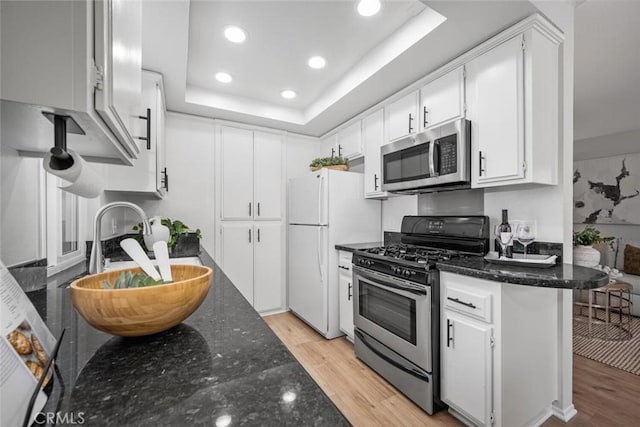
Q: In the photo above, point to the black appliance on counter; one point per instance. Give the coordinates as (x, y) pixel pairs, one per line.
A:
(397, 300)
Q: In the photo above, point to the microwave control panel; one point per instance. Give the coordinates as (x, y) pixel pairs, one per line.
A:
(448, 154)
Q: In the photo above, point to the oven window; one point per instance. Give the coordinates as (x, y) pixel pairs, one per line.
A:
(393, 312)
(407, 165)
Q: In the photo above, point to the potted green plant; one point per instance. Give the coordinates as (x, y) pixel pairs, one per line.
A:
(338, 163)
(584, 253)
(182, 241)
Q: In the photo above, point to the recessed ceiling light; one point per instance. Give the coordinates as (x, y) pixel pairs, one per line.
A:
(317, 62)
(288, 94)
(223, 77)
(368, 7)
(235, 34)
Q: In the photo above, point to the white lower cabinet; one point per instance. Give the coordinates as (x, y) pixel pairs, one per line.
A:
(466, 366)
(346, 293)
(252, 260)
(498, 352)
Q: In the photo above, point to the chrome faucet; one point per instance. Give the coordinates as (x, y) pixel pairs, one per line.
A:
(95, 262)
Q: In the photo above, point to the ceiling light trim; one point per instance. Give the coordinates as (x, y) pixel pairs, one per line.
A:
(237, 104)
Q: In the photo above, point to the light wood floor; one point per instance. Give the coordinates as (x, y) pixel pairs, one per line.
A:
(603, 396)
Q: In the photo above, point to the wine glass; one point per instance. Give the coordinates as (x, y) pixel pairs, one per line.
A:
(504, 236)
(525, 234)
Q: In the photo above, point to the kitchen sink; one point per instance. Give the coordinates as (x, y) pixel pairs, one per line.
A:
(116, 265)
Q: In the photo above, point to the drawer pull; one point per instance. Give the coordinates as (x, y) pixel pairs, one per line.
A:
(468, 304)
(343, 267)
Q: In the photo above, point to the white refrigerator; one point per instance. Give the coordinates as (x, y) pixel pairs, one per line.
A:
(325, 208)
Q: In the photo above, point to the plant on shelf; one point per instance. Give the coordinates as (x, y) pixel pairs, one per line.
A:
(176, 228)
(330, 162)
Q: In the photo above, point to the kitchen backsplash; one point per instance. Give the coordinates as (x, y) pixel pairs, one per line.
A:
(459, 202)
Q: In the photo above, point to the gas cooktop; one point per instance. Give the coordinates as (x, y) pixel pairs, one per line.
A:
(412, 254)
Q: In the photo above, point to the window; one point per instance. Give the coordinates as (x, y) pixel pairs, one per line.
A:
(65, 214)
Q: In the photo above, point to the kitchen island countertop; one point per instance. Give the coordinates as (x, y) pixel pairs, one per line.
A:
(562, 276)
(221, 366)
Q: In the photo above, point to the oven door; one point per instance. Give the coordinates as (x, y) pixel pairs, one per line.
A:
(395, 312)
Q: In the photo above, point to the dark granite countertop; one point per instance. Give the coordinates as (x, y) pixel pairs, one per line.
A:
(352, 247)
(223, 365)
(562, 276)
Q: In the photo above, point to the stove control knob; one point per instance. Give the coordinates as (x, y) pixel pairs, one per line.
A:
(407, 273)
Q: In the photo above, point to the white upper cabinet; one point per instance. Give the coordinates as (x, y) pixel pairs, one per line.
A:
(77, 58)
(350, 141)
(118, 58)
(442, 100)
(402, 117)
(251, 174)
(267, 189)
(149, 173)
(373, 139)
(329, 146)
(496, 110)
(512, 102)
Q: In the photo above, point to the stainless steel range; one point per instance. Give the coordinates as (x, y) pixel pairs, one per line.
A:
(396, 300)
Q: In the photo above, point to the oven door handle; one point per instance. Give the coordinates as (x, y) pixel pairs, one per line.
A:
(383, 281)
(397, 362)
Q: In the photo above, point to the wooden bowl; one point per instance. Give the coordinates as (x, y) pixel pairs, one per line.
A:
(140, 311)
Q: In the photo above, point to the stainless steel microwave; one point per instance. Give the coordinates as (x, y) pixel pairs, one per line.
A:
(434, 160)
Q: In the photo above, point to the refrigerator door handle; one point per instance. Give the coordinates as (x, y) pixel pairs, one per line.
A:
(319, 248)
(320, 200)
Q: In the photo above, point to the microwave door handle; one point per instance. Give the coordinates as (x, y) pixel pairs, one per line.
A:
(432, 171)
(435, 158)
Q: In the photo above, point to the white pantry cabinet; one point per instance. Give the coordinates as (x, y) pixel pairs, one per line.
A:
(251, 259)
(512, 101)
(402, 117)
(498, 351)
(251, 174)
(77, 58)
(442, 100)
(346, 292)
(149, 174)
(373, 139)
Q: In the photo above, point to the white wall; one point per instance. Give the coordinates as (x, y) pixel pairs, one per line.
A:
(21, 229)
(394, 208)
(607, 146)
(300, 151)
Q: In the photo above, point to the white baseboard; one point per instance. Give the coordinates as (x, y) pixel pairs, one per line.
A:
(565, 414)
(540, 418)
(269, 313)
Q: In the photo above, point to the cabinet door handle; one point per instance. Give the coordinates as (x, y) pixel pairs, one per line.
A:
(249, 208)
(148, 137)
(449, 337)
(164, 181)
(480, 159)
(375, 181)
(424, 116)
(350, 295)
(249, 235)
(258, 235)
(410, 120)
(333, 152)
(258, 207)
(339, 150)
(467, 304)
